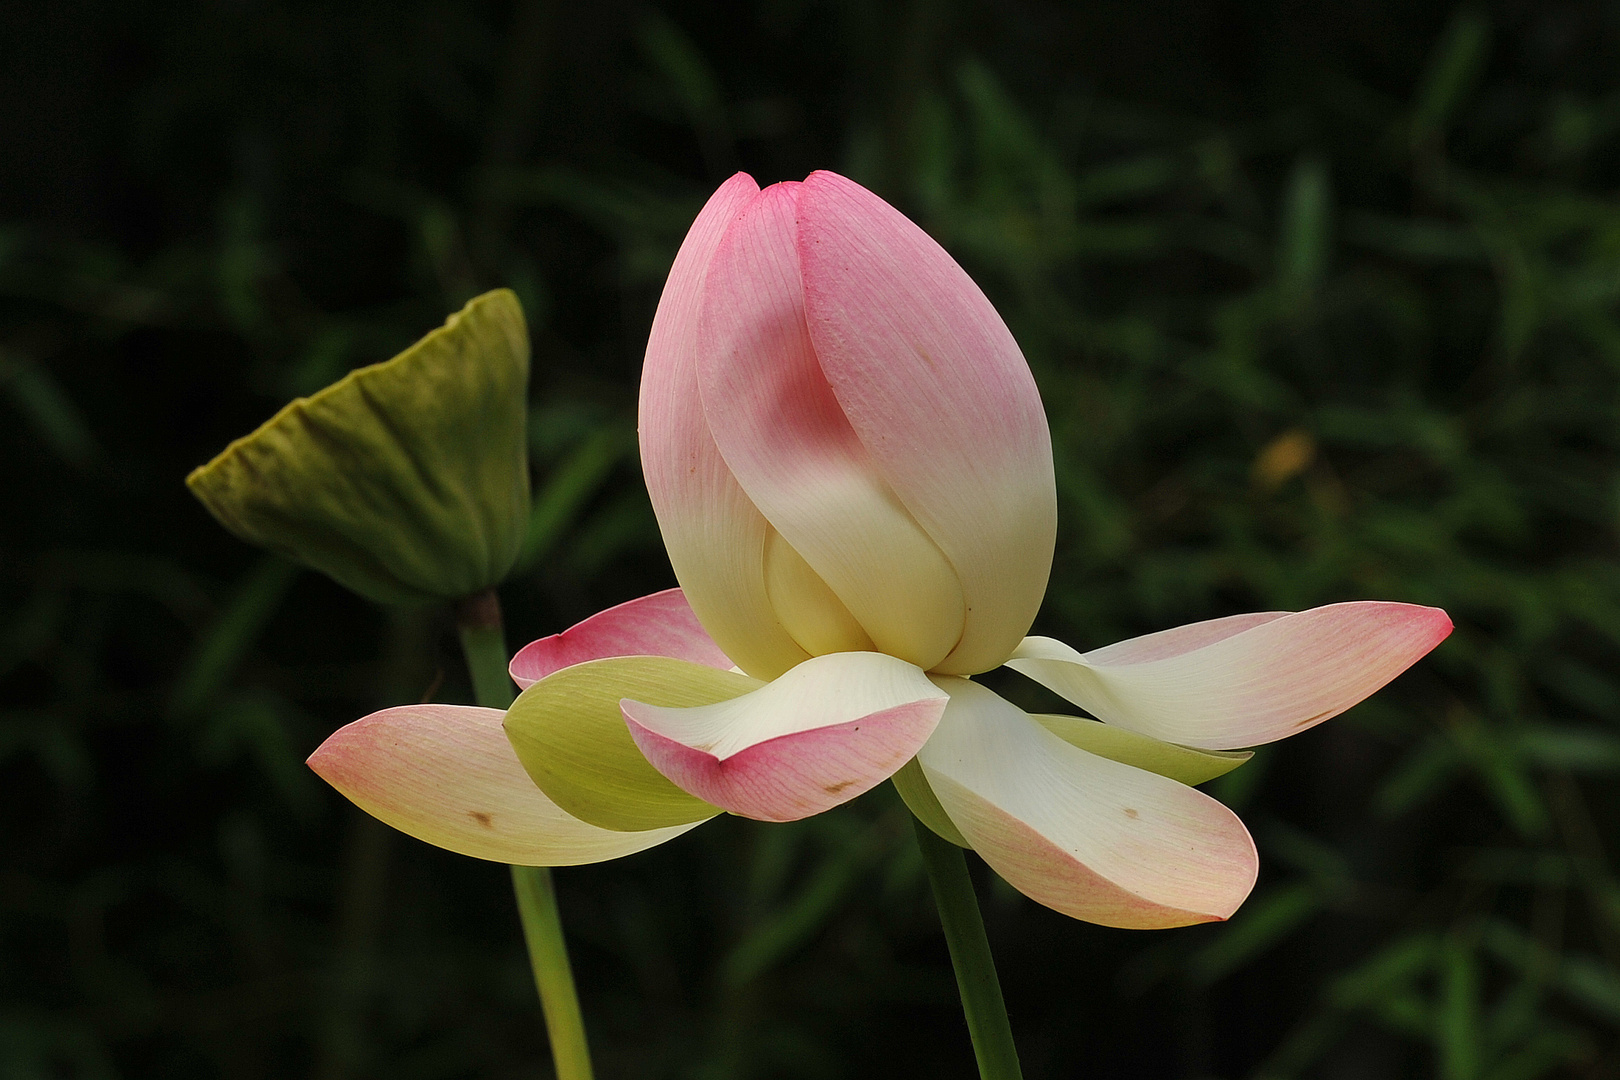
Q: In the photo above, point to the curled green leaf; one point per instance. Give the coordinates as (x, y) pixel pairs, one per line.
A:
(406, 481)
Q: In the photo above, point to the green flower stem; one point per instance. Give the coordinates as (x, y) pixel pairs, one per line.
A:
(478, 621)
(483, 643)
(970, 955)
(548, 956)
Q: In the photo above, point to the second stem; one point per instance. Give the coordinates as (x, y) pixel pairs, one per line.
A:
(483, 642)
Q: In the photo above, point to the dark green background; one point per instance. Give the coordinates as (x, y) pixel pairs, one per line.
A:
(1322, 302)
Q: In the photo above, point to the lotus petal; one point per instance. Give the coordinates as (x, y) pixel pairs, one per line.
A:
(1276, 675)
(1183, 764)
(572, 740)
(937, 392)
(811, 611)
(661, 624)
(920, 799)
(447, 775)
(1090, 837)
(785, 439)
(714, 535)
(1163, 644)
(830, 729)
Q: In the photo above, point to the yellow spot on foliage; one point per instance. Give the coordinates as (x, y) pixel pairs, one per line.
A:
(1283, 458)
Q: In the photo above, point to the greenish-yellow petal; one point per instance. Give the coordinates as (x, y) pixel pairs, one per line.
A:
(574, 744)
(1181, 763)
(407, 481)
(920, 798)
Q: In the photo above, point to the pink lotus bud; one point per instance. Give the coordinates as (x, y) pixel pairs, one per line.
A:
(843, 444)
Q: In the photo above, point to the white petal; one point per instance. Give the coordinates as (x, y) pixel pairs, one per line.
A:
(1243, 681)
(1089, 837)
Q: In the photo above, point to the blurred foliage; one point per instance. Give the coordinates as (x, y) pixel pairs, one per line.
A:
(1323, 303)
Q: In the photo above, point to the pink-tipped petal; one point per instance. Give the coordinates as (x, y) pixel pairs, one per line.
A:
(1274, 677)
(937, 391)
(785, 439)
(1090, 837)
(446, 774)
(820, 735)
(658, 625)
(1164, 644)
(715, 537)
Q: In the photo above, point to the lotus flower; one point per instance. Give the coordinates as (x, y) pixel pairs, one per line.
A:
(852, 471)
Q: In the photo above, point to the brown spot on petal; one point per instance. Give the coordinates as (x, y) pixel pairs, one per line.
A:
(833, 789)
(1132, 814)
(483, 817)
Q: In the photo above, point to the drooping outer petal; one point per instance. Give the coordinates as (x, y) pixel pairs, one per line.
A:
(1180, 763)
(785, 439)
(1276, 675)
(714, 535)
(935, 387)
(820, 735)
(1092, 838)
(447, 775)
(661, 624)
(572, 740)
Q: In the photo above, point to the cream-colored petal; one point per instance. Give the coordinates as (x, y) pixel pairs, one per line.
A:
(1087, 836)
(1206, 686)
(446, 774)
(810, 611)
